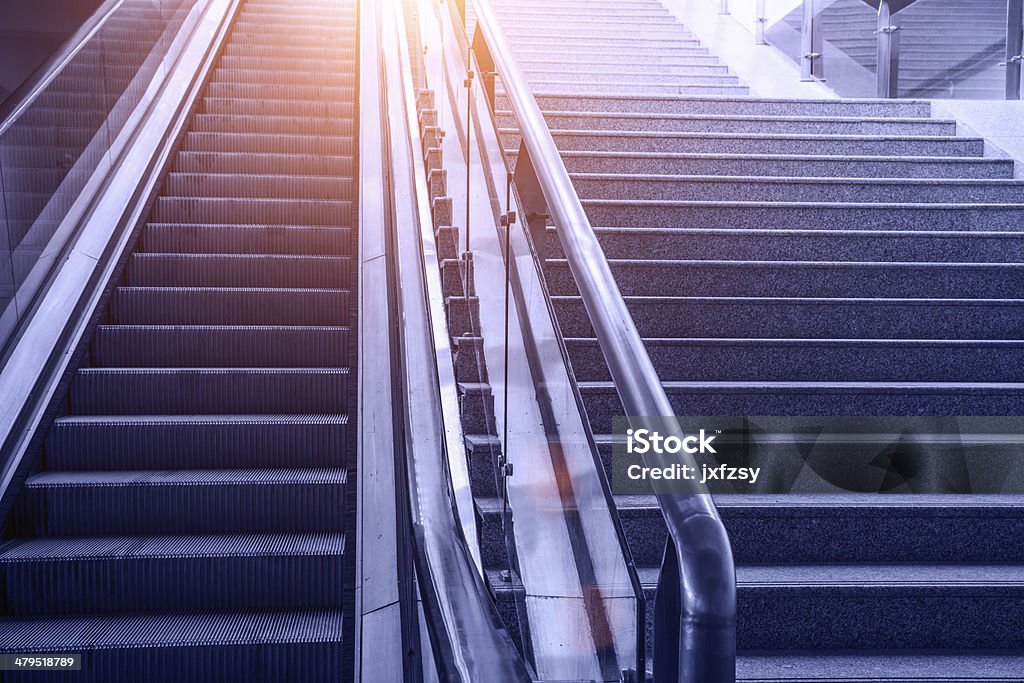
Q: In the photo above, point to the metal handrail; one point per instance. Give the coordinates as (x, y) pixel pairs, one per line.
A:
(702, 554)
(465, 630)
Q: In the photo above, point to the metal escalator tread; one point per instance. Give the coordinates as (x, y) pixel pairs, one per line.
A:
(194, 510)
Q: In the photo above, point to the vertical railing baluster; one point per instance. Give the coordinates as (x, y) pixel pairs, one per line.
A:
(888, 52)
(1014, 47)
(759, 23)
(812, 66)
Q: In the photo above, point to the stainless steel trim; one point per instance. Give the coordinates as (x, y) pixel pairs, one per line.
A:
(811, 43)
(481, 649)
(760, 22)
(565, 536)
(888, 52)
(1014, 47)
(379, 581)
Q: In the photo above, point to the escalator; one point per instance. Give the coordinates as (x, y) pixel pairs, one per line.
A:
(192, 512)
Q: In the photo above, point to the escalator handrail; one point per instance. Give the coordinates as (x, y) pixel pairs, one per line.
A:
(706, 570)
(22, 97)
(467, 639)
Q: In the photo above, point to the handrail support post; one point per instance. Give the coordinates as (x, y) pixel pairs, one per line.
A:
(760, 22)
(888, 51)
(812, 65)
(1014, 47)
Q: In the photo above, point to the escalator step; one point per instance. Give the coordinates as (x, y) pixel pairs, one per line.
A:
(240, 647)
(173, 573)
(278, 107)
(181, 502)
(285, 125)
(285, 164)
(229, 306)
(252, 209)
(235, 270)
(280, 92)
(268, 144)
(266, 187)
(163, 346)
(213, 391)
(334, 53)
(159, 442)
(268, 76)
(247, 239)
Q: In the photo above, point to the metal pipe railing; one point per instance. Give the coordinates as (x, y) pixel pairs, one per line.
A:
(760, 22)
(811, 43)
(888, 52)
(1014, 47)
(705, 625)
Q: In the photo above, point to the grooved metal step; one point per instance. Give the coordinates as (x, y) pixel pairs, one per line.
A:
(207, 501)
(172, 573)
(212, 346)
(214, 391)
(238, 270)
(187, 517)
(163, 442)
(230, 306)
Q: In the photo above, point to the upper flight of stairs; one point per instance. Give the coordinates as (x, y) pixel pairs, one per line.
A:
(786, 257)
(192, 515)
(971, 33)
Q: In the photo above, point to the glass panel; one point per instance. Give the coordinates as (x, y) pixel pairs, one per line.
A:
(59, 143)
(973, 40)
(551, 545)
(969, 65)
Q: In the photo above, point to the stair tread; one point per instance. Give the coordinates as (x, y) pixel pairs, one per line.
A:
(896, 665)
(833, 387)
(221, 477)
(842, 504)
(70, 633)
(912, 159)
(65, 548)
(802, 180)
(199, 420)
(874, 576)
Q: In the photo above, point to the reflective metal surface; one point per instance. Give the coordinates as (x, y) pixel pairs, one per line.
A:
(379, 578)
(1014, 47)
(548, 561)
(704, 624)
(467, 631)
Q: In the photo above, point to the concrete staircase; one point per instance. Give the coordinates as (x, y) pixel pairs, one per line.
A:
(948, 48)
(191, 517)
(785, 257)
